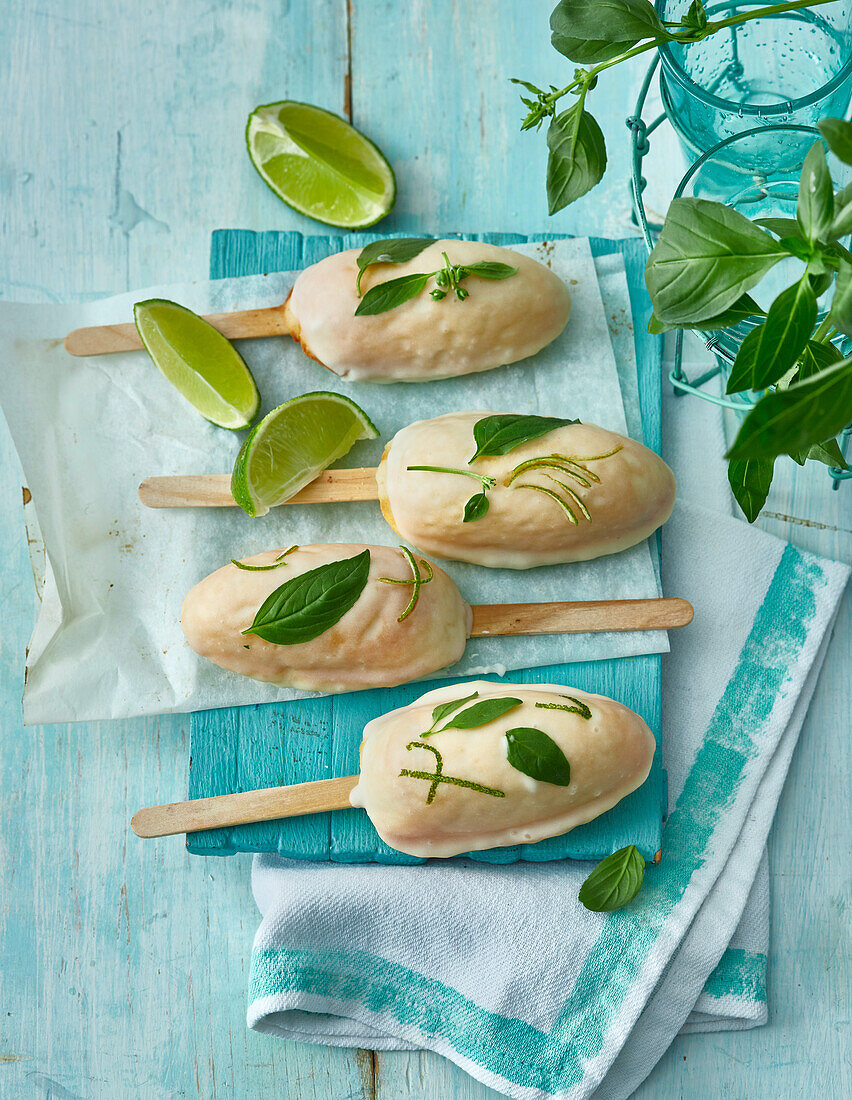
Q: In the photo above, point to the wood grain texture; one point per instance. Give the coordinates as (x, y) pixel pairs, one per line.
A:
(579, 617)
(124, 965)
(214, 490)
(239, 325)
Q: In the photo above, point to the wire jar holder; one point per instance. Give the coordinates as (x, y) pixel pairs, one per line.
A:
(723, 345)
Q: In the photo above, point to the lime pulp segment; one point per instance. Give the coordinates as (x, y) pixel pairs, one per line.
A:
(320, 165)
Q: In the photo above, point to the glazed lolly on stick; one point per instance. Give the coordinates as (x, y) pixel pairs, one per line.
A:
(345, 617)
(500, 322)
(471, 766)
(494, 489)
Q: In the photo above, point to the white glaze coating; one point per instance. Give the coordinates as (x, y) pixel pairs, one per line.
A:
(501, 322)
(367, 648)
(522, 527)
(610, 755)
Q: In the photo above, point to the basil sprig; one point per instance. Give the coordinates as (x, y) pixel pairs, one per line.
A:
(537, 755)
(477, 505)
(499, 434)
(486, 710)
(389, 295)
(396, 250)
(615, 881)
(308, 605)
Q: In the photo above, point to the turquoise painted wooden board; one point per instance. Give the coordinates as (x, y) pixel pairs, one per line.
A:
(241, 748)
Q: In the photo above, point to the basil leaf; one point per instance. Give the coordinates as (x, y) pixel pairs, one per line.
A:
(828, 452)
(816, 357)
(750, 479)
(489, 269)
(389, 295)
(815, 209)
(308, 605)
(838, 137)
(534, 753)
(841, 304)
(591, 31)
(742, 309)
(769, 350)
(443, 709)
(396, 250)
(481, 713)
(789, 420)
(615, 881)
(696, 17)
(577, 157)
(476, 507)
(499, 434)
(842, 223)
(781, 227)
(707, 257)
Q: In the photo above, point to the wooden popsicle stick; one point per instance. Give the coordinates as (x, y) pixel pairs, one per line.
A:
(580, 617)
(214, 490)
(105, 339)
(244, 808)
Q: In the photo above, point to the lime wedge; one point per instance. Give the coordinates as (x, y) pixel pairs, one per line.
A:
(319, 164)
(199, 362)
(292, 445)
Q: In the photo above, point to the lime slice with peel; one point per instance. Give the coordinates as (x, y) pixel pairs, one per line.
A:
(199, 362)
(292, 445)
(319, 164)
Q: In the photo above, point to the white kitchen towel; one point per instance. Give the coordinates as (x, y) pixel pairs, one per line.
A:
(499, 967)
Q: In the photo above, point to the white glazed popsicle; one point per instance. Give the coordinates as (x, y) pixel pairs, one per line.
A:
(601, 493)
(368, 647)
(420, 340)
(482, 799)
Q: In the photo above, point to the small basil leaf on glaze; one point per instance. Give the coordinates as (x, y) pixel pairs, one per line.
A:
(488, 269)
(537, 755)
(389, 295)
(476, 507)
(615, 881)
(481, 713)
(308, 605)
(499, 434)
(397, 250)
(443, 709)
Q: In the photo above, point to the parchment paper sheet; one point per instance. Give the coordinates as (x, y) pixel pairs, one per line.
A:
(108, 642)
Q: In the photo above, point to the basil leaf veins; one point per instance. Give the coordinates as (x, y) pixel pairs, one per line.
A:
(537, 755)
(499, 434)
(615, 881)
(308, 605)
(397, 250)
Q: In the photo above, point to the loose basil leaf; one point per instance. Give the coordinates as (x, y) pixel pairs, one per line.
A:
(707, 257)
(781, 227)
(789, 420)
(838, 137)
(750, 479)
(742, 309)
(577, 157)
(499, 434)
(842, 223)
(476, 507)
(389, 295)
(534, 753)
(815, 209)
(696, 17)
(591, 31)
(816, 357)
(488, 269)
(443, 709)
(482, 712)
(396, 250)
(615, 881)
(841, 304)
(308, 605)
(772, 348)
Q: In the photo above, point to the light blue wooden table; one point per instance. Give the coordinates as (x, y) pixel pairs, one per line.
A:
(123, 965)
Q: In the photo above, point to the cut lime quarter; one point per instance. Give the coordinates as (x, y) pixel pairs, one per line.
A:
(199, 362)
(320, 165)
(292, 445)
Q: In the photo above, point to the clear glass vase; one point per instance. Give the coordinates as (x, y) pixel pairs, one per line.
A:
(792, 68)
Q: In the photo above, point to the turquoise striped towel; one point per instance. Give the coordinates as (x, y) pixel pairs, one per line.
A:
(499, 967)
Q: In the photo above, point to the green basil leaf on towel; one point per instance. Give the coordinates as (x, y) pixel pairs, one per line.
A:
(615, 881)
(537, 755)
(308, 605)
